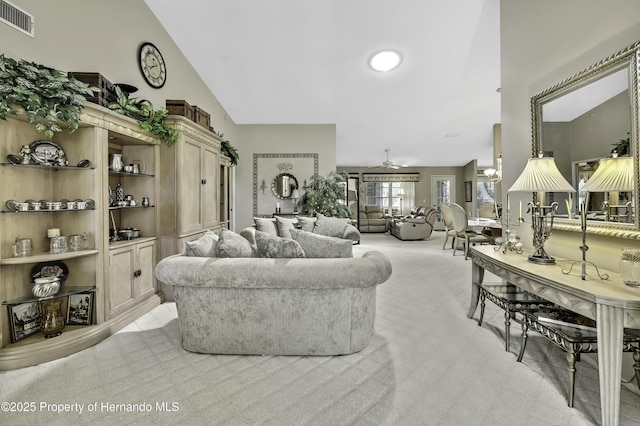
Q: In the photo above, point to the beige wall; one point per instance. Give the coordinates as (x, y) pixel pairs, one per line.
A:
(539, 48)
(275, 138)
(99, 36)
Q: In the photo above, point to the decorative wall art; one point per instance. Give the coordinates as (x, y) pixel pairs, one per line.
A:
(266, 167)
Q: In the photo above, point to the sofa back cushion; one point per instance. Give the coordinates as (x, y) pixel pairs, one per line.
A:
(306, 223)
(277, 247)
(231, 244)
(321, 246)
(205, 246)
(283, 226)
(267, 225)
(330, 226)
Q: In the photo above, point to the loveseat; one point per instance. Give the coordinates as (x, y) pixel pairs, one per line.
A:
(274, 306)
(372, 219)
(320, 224)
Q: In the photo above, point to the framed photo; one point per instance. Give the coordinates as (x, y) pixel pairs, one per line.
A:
(80, 308)
(468, 192)
(24, 320)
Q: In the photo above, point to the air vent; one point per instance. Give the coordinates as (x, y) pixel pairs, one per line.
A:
(16, 18)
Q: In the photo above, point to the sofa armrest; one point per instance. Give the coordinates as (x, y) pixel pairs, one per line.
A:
(351, 233)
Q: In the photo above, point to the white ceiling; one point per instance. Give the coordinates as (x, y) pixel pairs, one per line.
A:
(305, 62)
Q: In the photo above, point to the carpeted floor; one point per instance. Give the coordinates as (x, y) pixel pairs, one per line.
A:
(428, 364)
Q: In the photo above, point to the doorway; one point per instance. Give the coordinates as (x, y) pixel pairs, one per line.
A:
(442, 191)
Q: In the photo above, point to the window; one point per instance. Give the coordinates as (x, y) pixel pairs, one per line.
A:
(393, 197)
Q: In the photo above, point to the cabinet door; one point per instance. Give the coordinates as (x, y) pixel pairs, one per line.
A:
(189, 197)
(144, 281)
(121, 268)
(209, 187)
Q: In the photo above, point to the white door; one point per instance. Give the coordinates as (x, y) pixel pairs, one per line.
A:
(442, 191)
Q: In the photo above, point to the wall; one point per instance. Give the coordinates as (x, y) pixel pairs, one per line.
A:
(95, 36)
(276, 138)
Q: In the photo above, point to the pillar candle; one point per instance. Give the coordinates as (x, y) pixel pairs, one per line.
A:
(520, 211)
(53, 232)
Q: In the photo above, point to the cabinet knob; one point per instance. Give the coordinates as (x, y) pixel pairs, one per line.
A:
(137, 273)
(204, 181)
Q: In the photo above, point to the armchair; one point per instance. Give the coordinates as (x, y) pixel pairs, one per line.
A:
(416, 227)
(372, 219)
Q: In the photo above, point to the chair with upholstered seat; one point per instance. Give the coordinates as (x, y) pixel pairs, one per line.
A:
(465, 236)
(447, 219)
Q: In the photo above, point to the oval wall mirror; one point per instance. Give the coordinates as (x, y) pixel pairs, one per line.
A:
(580, 121)
(283, 185)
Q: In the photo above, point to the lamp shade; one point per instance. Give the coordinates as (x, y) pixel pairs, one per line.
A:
(613, 174)
(541, 175)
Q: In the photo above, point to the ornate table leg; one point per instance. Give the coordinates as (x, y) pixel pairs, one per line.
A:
(610, 324)
(477, 275)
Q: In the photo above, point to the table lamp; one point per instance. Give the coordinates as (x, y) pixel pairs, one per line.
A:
(295, 195)
(612, 174)
(541, 175)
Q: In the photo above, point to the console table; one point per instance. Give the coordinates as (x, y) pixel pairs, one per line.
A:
(611, 303)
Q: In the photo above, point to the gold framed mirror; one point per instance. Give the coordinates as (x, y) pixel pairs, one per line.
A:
(581, 120)
(283, 185)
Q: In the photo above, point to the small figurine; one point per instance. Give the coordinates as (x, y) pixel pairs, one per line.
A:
(25, 153)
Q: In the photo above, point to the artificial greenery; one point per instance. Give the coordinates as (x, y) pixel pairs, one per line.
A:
(621, 147)
(149, 119)
(48, 96)
(230, 151)
(326, 196)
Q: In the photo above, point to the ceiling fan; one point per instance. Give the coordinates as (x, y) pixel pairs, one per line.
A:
(388, 164)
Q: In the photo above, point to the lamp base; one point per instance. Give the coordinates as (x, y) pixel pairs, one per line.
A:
(541, 260)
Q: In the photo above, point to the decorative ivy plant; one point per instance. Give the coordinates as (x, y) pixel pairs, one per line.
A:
(48, 96)
(326, 196)
(149, 119)
(621, 147)
(230, 151)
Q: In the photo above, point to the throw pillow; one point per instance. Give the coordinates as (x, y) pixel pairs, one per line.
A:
(330, 226)
(284, 225)
(315, 245)
(231, 244)
(267, 225)
(205, 246)
(306, 223)
(277, 247)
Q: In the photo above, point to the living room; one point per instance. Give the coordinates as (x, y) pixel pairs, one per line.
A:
(541, 44)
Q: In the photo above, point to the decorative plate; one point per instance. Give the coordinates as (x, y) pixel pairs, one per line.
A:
(90, 203)
(43, 203)
(11, 205)
(50, 269)
(47, 153)
(64, 202)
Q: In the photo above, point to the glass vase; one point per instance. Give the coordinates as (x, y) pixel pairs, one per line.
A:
(630, 266)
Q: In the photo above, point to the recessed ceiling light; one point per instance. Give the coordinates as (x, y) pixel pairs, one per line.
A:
(385, 61)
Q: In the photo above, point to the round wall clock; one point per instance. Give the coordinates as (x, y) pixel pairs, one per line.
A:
(152, 65)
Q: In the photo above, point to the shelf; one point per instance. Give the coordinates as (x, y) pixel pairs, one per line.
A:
(130, 207)
(42, 166)
(64, 292)
(46, 257)
(46, 211)
(123, 243)
(112, 173)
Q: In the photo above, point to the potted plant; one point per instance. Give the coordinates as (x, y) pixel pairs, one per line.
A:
(621, 147)
(326, 196)
(151, 120)
(48, 96)
(230, 151)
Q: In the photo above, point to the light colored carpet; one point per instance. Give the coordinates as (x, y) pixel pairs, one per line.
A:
(428, 364)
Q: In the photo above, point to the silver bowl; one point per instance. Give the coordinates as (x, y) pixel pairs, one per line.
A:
(45, 287)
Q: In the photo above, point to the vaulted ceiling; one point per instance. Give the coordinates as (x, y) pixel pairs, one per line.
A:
(306, 62)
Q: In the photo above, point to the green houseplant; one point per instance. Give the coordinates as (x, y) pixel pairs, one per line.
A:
(230, 151)
(325, 195)
(621, 147)
(48, 96)
(149, 119)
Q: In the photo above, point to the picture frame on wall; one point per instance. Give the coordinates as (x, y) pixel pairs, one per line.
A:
(80, 308)
(468, 192)
(24, 320)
